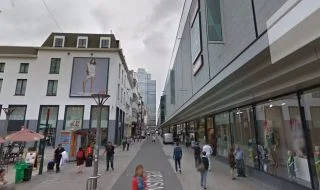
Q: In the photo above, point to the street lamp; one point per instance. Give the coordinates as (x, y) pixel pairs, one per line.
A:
(100, 99)
(8, 111)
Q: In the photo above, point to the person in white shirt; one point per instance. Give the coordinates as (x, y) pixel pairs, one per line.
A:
(90, 75)
(207, 148)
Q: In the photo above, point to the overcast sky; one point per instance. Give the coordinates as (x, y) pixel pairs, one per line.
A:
(146, 28)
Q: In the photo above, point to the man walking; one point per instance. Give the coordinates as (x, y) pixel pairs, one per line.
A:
(197, 153)
(128, 143)
(124, 143)
(58, 156)
(238, 154)
(207, 148)
(177, 155)
(110, 155)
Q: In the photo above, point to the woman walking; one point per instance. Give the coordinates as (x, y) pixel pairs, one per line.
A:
(232, 162)
(80, 160)
(138, 180)
(203, 169)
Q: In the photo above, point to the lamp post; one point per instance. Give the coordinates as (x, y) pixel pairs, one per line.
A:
(100, 99)
(8, 111)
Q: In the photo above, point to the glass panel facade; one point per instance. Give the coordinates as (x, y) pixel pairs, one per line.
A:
(73, 117)
(53, 120)
(244, 134)
(282, 150)
(222, 123)
(201, 131)
(214, 20)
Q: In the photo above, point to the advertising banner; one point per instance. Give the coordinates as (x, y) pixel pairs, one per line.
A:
(89, 76)
(65, 140)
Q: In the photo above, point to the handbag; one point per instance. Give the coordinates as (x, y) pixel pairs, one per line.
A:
(201, 167)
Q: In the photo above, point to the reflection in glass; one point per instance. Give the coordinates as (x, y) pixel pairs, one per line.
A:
(223, 131)
(74, 117)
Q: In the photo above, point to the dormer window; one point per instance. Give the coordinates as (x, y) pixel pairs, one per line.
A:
(82, 42)
(58, 41)
(105, 42)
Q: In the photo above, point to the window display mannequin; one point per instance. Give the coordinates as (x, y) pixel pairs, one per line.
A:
(291, 166)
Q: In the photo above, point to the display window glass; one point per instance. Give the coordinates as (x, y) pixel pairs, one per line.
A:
(53, 120)
(104, 116)
(311, 103)
(281, 147)
(201, 131)
(222, 123)
(73, 117)
(243, 133)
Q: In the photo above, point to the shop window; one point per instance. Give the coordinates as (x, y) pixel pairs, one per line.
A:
(53, 121)
(73, 117)
(17, 117)
(212, 136)
(311, 104)
(95, 116)
(201, 131)
(282, 147)
(243, 133)
(222, 123)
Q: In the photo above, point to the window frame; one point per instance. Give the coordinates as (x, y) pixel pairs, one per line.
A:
(21, 87)
(66, 112)
(24, 65)
(105, 38)
(82, 38)
(54, 41)
(51, 62)
(52, 89)
(2, 67)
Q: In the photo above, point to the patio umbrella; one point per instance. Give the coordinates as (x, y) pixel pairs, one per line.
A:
(2, 140)
(24, 135)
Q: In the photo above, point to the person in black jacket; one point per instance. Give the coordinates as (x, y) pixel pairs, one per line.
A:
(58, 156)
(110, 155)
(197, 154)
(204, 171)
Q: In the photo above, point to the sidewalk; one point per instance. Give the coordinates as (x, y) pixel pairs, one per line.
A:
(218, 179)
(69, 179)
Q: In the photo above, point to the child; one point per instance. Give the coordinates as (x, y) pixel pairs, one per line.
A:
(232, 162)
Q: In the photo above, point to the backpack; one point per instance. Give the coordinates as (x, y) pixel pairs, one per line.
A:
(80, 154)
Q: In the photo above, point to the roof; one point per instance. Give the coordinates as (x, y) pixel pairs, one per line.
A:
(71, 39)
(18, 50)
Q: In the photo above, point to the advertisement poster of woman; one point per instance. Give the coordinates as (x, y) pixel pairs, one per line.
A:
(89, 76)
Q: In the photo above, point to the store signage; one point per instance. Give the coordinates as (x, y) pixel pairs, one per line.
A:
(197, 65)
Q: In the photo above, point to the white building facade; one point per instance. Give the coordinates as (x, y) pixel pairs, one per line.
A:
(61, 75)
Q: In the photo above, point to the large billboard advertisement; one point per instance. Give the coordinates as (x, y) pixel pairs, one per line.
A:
(89, 76)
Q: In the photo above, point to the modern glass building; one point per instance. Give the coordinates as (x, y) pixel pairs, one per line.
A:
(246, 73)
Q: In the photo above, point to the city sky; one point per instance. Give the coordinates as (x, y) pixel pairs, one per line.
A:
(146, 28)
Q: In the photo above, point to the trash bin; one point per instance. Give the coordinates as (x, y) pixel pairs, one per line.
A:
(28, 172)
(19, 166)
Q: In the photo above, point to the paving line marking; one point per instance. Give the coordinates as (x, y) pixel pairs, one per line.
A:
(154, 180)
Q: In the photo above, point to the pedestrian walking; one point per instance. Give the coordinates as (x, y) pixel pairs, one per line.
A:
(124, 143)
(177, 155)
(110, 155)
(139, 180)
(197, 154)
(232, 162)
(128, 143)
(238, 154)
(81, 157)
(154, 138)
(203, 168)
(207, 148)
(4, 182)
(58, 156)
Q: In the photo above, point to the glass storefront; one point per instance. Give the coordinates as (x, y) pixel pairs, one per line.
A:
(211, 133)
(53, 119)
(243, 134)
(104, 117)
(201, 131)
(222, 123)
(311, 102)
(281, 148)
(73, 117)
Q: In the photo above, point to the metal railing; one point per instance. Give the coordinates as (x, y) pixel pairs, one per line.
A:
(90, 181)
